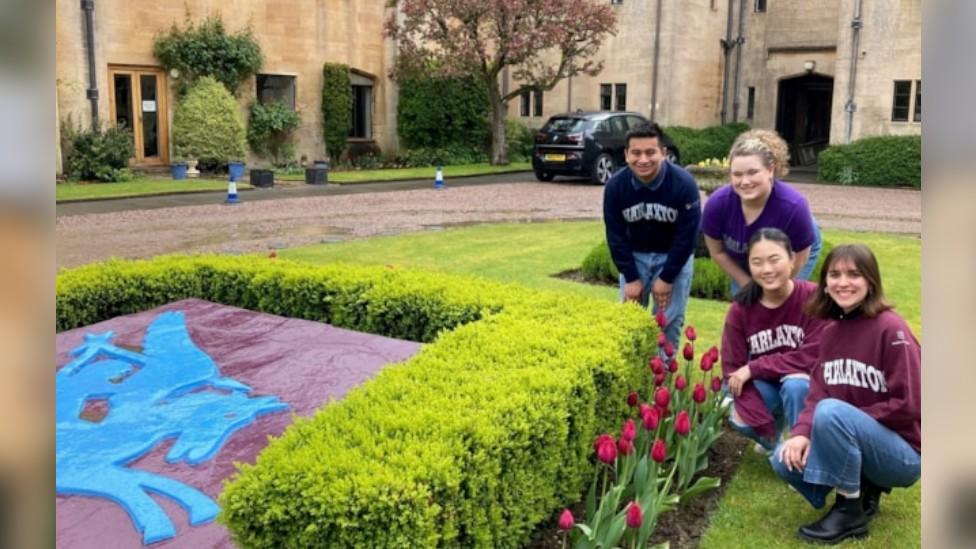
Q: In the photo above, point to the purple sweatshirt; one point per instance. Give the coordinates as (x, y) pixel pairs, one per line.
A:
(786, 209)
(874, 364)
(774, 343)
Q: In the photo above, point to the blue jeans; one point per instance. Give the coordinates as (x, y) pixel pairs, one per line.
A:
(846, 443)
(649, 265)
(806, 270)
(784, 400)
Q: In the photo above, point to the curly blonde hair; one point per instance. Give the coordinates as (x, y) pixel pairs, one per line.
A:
(767, 145)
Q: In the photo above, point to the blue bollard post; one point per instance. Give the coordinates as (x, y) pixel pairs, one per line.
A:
(231, 191)
(439, 178)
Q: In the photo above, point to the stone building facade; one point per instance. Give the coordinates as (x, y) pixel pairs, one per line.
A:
(296, 38)
(791, 70)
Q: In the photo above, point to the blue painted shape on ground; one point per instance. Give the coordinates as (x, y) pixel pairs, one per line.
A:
(172, 389)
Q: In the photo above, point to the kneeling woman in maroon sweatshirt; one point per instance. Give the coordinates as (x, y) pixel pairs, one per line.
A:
(860, 430)
(769, 344)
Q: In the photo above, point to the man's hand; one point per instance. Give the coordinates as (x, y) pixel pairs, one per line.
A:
(793, 453)
(662, 294)
(738, 380)
(633, 291)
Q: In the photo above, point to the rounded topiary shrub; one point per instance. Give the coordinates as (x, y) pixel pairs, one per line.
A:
(208, 125)
(878, 161)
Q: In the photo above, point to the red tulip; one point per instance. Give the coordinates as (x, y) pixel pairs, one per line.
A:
(659, 379)
(629, 430)
(661, 412)
(662, 397)
(682, 424)
(602, 439)
(658, 452)
(657, 365)
(716, 384)
(661, 319)
(566, 520)
(607, 452)
(680, 383)
(651, 419)
(672, 365)
(643, 409)
(273, 254)
(661, 339)
(707, 362)
(690, 333)
(699, 395)
(632, 399)
(634, 516)
(668, 348)
(689, 351)
(625, 446)
(714, 352)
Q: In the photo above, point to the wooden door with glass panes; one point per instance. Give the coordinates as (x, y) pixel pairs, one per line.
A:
(137, 99)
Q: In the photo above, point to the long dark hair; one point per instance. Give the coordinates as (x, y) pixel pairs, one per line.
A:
(751, 293)
(822, 305)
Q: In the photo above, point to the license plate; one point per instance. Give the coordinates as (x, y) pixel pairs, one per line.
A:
(554, 157)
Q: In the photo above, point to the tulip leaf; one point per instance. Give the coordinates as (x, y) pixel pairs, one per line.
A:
(703, 484)
(640, 475)
(662, 545)
(616, 530)
(586, 530)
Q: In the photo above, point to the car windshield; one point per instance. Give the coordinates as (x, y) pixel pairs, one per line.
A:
(565, 125)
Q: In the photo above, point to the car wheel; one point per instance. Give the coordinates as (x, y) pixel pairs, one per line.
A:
(543, 175)
(673, 156)
(603, 168)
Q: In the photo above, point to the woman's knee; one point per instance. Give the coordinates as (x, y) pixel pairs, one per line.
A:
(795, 389)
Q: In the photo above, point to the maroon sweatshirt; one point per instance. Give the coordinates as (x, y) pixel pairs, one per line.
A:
(874, 364)
(775, 343)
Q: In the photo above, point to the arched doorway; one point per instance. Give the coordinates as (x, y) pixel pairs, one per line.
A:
(803, 115)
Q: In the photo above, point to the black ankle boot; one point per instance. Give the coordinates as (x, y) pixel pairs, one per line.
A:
(871, 497)
(845, 520)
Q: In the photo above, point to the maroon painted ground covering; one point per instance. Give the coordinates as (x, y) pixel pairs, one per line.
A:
(304, 363)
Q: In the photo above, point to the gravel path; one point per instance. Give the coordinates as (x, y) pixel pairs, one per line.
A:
(287, 222)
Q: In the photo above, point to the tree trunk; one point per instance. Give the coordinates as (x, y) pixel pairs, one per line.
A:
(498, 154)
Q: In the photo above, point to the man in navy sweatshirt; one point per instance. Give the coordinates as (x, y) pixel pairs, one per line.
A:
(652, 213)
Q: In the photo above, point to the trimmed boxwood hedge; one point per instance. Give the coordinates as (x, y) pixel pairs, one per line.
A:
(709, 281)
(697, 145)
(471, 443)
(880, 161)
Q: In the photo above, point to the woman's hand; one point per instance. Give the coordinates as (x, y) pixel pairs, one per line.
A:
(793, 453)
(738, 380)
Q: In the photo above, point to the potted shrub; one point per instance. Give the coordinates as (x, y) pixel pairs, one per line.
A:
(192, 171)
(207, 126)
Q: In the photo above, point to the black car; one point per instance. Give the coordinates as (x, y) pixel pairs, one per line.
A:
(587, 144)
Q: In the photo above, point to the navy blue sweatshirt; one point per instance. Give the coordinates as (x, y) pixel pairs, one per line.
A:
(662, 216)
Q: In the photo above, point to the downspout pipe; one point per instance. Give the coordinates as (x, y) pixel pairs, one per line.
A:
(88, 7)
(850, 107)
(738, 60)
(727, 51)
(657, 56)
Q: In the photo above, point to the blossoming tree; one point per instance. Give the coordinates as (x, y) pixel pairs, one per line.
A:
(540, 41)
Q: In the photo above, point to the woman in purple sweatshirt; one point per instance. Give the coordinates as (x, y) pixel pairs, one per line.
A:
(860, 432)
(769, 344)
(756, 198)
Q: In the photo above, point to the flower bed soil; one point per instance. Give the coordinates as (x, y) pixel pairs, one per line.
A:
(684, 526)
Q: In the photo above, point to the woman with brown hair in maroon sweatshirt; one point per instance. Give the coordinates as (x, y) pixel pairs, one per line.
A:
(860, 430)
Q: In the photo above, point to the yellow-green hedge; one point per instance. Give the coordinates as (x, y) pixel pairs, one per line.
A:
(471, 443)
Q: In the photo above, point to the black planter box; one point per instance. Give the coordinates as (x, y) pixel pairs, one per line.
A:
(262, 178)
(317, 174)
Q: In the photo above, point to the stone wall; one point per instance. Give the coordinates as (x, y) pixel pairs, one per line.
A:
(296, 39)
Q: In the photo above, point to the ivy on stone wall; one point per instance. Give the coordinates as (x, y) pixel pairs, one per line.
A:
(207, 50)
(336, 108)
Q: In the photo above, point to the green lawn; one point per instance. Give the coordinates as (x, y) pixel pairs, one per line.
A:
(141, 186)
(398, 174)
(757, 509)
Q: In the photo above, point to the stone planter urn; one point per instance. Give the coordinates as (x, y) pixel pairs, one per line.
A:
(192, 170)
